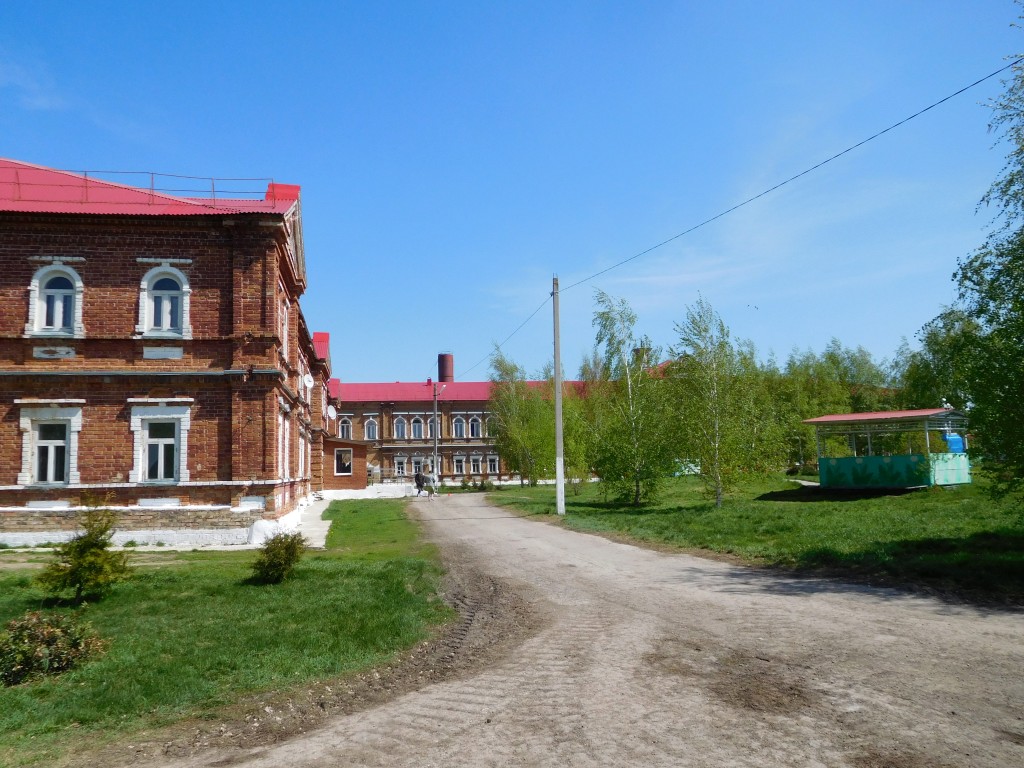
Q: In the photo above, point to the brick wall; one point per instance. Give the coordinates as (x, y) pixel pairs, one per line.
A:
(233, 368)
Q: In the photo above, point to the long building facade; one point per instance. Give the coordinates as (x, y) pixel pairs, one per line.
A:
(153, 357)
(397, 423)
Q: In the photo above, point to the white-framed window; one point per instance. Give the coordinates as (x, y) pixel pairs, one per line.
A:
(284, 311)
(475, 465)
(165, 304)
(492, 465)
(417, 428)
(345, 429)
(399, 467)
(417, 465)
(370, 429)
(459, 427)
(460, 465)
(50, 445)
(284, 442)
(400, 428)
(161, 442)
(51, 452)
(342, 461)
(55, 303)
(302, 452)
(474, 427)
(431, 427)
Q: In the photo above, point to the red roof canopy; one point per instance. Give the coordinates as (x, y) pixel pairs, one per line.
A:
(27, 188)
(922, 413)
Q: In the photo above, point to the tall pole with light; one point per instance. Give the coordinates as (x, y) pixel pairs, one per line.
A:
(437, 431)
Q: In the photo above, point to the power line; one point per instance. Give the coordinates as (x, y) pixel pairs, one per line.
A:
(793, 178)
(519, 328)
(749, 200)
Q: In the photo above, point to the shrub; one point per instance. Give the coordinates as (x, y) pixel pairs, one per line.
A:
(44, 644)
(278, 557)
(86, 564)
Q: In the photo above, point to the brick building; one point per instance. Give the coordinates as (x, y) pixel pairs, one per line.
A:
(395, 423)
(153, 355)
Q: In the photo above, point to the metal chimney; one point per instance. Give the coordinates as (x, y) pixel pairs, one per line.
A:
(445, 367)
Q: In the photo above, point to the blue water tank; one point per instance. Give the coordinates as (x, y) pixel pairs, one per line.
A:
(954, 443)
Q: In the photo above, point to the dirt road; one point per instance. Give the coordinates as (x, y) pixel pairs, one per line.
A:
(645, 659)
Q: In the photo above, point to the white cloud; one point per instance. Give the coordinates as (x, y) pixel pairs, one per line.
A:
(32, 88)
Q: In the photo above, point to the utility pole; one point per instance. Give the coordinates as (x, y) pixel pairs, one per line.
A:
(559, 448)
(437, 431)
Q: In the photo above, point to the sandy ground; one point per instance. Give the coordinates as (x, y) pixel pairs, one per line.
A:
(578, 651)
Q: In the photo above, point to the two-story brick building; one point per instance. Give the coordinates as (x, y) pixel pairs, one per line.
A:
(396, 424)
(153, 355)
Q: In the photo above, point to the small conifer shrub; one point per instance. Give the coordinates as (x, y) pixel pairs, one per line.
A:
(278, 557)
(86, 564)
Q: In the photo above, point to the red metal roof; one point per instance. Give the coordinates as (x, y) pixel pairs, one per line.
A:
(27, 188)
(419, 391)
(322, 345)
(334, 388)
(882, 416)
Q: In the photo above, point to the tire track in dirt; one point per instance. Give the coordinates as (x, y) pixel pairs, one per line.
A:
(667, 660)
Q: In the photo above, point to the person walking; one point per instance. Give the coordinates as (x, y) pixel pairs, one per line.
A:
(419, 480)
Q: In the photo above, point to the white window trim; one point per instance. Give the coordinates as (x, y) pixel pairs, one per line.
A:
(456, 422)
(394, 428)
(479, 428)
(497, 465)
(342, 423)
(376, 428)
(30, 416)
(143, 328)
(144, 413)
(35, 318)
(412, 428)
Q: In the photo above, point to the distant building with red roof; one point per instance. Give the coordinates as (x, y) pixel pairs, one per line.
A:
(396, 422)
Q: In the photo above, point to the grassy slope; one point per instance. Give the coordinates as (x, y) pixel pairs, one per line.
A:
(188, 634)
(956, 541)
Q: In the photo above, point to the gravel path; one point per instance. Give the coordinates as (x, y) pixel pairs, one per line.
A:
(635, 657)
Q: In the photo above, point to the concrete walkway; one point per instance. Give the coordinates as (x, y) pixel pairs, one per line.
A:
(312, 526)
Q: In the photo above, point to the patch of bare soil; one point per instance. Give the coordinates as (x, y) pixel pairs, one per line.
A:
(493, 619)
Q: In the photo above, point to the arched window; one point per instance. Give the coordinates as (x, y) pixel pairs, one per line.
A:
(55, 303)
(459, 427)
(489, 424)
(345, 429)
(164, 303)
(431, 427)
(474, 427)
(370, 429)
(417, 428)
(400, 428)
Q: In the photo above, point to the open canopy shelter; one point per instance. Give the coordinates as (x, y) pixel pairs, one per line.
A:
(892, 449)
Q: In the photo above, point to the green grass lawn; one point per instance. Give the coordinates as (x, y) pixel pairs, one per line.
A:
(188, 633)
(956, 541)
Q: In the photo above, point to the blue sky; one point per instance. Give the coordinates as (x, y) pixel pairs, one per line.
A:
(454, 156)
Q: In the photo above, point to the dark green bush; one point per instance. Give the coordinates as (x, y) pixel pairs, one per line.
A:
(44, 644)
(85, 564)
(278, 557)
